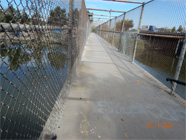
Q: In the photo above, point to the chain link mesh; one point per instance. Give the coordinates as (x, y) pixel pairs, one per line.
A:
(158, 42)
(36, 59)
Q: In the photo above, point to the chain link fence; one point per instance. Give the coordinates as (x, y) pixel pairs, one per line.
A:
(152, 35)
(41, 42)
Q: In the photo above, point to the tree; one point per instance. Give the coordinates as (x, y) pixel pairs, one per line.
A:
(10, 15)
(13, 15)
(90, 15)
(58, 16)
(22, 17)
(25, 18)
(174, 29)
(76, 16)
(93, 29)
(180, 29)
(105, 27)
(36, 19)
(164, 29)
(2, 17)
(119, 25)
(128, 24)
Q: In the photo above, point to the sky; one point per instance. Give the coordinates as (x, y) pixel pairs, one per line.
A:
(160, 13)
(101, 4)
(109, 5)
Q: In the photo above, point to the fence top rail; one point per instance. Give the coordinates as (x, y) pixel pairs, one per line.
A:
(143, 3)
(140, 6)
(106, 10)
(98, 18)
(126, 1)
(102, 15)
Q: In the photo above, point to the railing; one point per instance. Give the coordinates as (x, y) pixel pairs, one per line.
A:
(153, 35)
(41, 42)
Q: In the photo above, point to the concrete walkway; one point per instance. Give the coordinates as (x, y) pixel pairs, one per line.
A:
(110, 98)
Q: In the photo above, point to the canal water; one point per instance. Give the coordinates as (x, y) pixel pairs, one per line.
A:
(157, 56)
(160, 61)
(32, 77)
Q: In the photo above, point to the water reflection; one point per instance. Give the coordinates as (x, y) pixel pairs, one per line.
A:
(35, 78)
(57, 60)
(16, 56)
(159, 59)
(19, 54)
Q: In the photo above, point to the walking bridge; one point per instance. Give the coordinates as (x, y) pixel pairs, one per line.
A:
(111, 98)
(59, 80)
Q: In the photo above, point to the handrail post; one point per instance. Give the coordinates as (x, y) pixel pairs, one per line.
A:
(70, 24)
(109, 30)
(139, 26)
(98, 30)
(177, 47)
(122, 30)
(179, 65)
(101, 30)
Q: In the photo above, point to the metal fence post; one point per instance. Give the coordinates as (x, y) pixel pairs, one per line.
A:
(98, 28)
(113, 35)
(122, 30)
(86, 34)
(177, 47)
(70, 25)
(109, 30)
(136, 42)
(101, 30)
(179, 65)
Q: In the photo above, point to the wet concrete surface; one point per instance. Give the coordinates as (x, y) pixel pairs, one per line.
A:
(111, 98)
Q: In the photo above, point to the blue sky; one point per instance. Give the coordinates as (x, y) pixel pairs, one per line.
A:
(119, 6)
(161, 13)
(100, 4)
